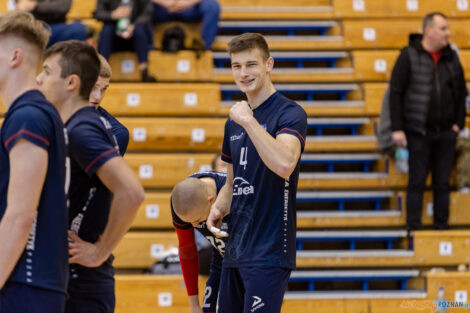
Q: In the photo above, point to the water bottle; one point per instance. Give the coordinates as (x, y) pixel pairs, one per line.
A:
(124, 22)
(441, 301)
(401, 160)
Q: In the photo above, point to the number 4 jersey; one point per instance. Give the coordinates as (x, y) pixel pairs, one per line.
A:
(263, 218)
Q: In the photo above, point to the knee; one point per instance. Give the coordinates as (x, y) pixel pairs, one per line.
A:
(78, 31)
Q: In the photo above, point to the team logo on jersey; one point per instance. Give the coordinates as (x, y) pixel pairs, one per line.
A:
(241, 187)
(257, 303)
(237, 137)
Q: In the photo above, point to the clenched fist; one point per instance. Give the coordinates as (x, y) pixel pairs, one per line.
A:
(241, 113)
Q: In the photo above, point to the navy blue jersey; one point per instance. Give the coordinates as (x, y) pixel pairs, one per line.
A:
(44, 262)
(92, 144)
(217, 243)
(119, 130)
(263, 217)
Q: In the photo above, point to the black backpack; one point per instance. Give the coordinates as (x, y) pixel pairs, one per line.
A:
(173, 39)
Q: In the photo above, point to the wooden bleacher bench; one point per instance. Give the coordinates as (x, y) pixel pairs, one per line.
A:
(206, 134)
(163, 99)
(175, 134)
(393, 34)
(181, 66)
(153, 293)
(202, 99)
(164, 170)
(154, 213)
(398, 8)
(143, 249)
(82, 9)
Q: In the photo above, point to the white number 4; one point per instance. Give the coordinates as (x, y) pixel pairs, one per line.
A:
(244, 157)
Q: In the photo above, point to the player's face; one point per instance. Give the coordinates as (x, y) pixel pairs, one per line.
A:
(50, 82)
(250, 70)
(99, 91)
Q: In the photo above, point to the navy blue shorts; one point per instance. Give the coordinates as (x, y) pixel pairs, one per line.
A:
(91, 301)
(209, 304)
(252, 289)
(21, 298)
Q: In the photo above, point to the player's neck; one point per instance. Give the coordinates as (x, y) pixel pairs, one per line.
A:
(70, 106)
(12, 89)
(255, 99)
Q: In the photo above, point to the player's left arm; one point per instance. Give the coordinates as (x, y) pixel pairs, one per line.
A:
(128, 194)
(279, 154)
(28, 168)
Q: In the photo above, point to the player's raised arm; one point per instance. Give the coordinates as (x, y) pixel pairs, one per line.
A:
(280, 154)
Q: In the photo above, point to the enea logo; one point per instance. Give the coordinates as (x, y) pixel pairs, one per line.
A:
(242, 188)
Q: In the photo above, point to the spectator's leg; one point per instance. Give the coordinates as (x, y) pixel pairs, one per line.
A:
(210, 10)
(142, 42)
(419, 158)
(207, 11)
(105, 43)
(63, 32)
(442, 158)
(161, 14)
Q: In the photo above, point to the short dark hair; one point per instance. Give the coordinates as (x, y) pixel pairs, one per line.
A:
(249, 41)
(428, 20)
(79, 58)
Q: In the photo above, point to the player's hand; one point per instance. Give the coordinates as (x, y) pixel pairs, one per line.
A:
(241, 113)
(84, 253)
(456, 128)
(195, 309)
(399, 138)
(194, 306)
(214, 222)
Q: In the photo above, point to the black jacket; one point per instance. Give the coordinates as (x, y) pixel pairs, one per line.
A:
(425, 97)
(52, 11)
(141, 11)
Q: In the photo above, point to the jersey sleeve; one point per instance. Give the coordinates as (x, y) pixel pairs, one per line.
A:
(294, 122)
(189, 259)
(31, 124)
(226, 154)
(90, 147)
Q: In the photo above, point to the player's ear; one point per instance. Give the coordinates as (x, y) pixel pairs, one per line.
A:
(211, 199)
(16, 57)
(73, 82)
(270, 64)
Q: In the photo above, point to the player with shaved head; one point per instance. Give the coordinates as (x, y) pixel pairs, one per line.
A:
(191, 200)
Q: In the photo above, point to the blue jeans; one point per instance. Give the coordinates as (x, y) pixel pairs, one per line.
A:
(141, 42)
(207, 11)
(63, 32)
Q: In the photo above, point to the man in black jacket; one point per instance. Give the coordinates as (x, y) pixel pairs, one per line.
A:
(54, 12)
(127, 26)
(427, 107)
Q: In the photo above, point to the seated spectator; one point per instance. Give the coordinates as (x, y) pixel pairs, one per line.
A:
(54, 12)
(136, 36)
(190, 11)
